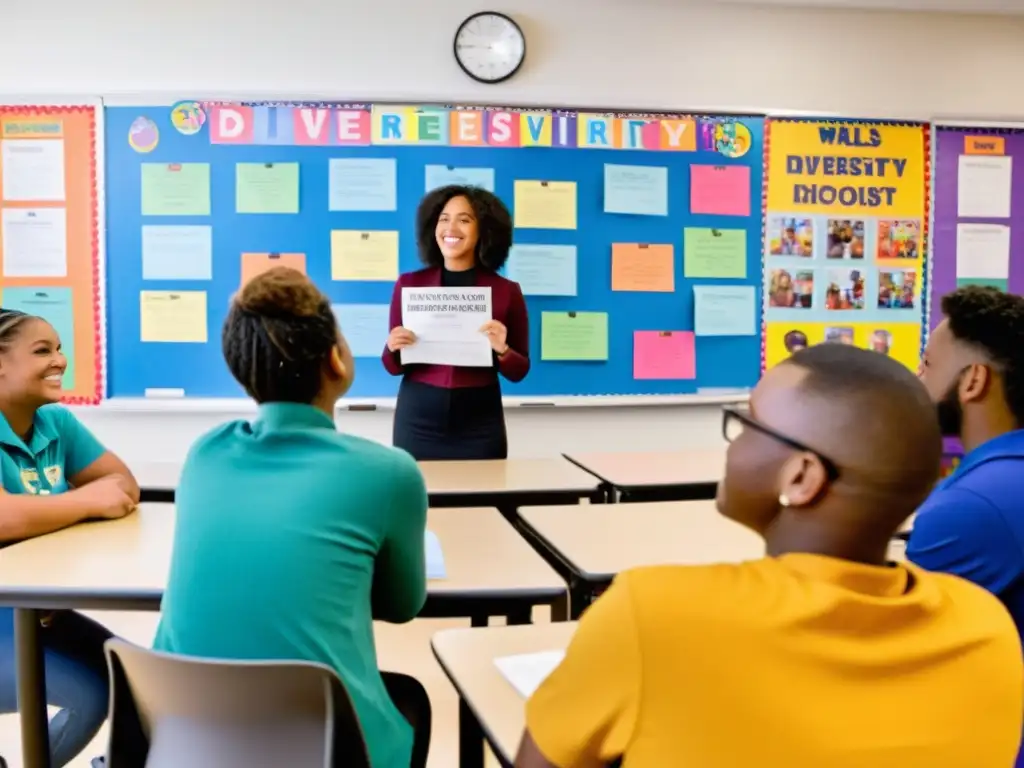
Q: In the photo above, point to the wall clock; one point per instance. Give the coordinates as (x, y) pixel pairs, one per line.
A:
(490, 47)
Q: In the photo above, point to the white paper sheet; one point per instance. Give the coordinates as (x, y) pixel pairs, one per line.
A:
(983, 250)
(528, 670)
(33, 169)
(35, 242)
(984, 187)
(447, 324)
(435, 556)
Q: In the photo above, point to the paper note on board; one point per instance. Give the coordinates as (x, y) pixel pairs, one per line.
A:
(528, 670)
(177, 189)
(35, 242)
(177, 253)
(55, 306)
(636, 189)
(983, 251)
(714, 252)
(434, 556)
(360, 255)
(257, 263)
(364, 326)
(33, 170)
(724, 310)
(984, 186)
(545, 205)
(445, 175)
(267, 187)
(363, 184)
(543, 270)
(173, 316)
(664, 355)
(722, 190)
(643, 267)
(577, 336)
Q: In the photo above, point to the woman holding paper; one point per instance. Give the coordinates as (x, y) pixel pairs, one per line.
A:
(448, 411)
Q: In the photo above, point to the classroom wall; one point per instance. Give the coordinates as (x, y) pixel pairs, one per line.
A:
(673, 54)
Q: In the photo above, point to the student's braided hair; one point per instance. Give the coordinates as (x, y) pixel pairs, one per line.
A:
(11, 321)
(279, 331)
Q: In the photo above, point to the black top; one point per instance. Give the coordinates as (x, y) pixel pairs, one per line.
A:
(463, 279)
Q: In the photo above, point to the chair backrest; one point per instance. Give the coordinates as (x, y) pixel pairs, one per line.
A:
(168, 711)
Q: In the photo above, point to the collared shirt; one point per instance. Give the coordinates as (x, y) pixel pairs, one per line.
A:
(799, 660)
(58, 447)
(290, 539)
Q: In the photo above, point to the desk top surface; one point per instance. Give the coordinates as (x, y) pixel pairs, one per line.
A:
(656, 468)
(467, 656)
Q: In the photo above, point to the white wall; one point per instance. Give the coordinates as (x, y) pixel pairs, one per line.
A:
(669, 54)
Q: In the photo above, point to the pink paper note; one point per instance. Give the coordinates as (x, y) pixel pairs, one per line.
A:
(720, 190)
(664, 355)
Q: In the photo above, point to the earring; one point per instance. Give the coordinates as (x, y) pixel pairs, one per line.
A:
(783, 500)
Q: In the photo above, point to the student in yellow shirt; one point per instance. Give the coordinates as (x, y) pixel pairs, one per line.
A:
(820, 654)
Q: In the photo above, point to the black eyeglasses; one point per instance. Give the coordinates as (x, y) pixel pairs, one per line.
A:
(735, 420)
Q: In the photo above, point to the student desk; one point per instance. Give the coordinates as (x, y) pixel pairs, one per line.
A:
(656, 476)
(489, 707)
(123, 565)
(589, 545)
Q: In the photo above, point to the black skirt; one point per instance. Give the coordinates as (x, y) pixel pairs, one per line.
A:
(435, 423)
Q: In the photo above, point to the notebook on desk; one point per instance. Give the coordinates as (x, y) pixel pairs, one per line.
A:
(527, 671)
(434, 556)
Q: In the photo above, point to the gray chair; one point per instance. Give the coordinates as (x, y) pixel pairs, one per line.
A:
(169, 711)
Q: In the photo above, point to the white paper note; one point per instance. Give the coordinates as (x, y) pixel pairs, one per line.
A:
(177, 253)
(983, 250)
(33, 169)
(447, 324)
(984, 187)
(35, 242)
(435, 556)
(528, 670)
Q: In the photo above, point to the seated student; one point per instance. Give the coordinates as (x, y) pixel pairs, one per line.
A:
(821, 653)
(292, 537)
(53, 473)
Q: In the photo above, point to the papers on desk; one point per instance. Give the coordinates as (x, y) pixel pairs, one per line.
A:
(528, 670)
(435, 556)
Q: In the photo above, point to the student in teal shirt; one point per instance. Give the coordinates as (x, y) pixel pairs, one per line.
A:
(53, 473)
(291, 538)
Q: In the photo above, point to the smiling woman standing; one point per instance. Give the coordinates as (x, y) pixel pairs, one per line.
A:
(452, 412)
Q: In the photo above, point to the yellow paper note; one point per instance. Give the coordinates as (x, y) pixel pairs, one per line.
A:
(361, 255)
(174, 316)
(545, 205)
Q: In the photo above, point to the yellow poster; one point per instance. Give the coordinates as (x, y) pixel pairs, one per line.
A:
(845, 238)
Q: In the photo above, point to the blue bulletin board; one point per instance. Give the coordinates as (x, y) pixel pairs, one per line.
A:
(677, 198)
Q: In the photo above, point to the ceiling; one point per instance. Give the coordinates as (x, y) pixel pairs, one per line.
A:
(1006, 7)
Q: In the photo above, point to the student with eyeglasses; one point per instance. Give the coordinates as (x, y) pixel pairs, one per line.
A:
(821, 653)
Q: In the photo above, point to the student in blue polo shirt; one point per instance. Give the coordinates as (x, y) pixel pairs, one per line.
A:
(291, 538)
(53, 473)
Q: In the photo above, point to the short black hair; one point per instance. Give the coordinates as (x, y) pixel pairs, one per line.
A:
(494, 225)
(992, 321)
(279, 331)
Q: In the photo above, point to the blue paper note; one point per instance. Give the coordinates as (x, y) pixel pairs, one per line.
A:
(434, 556)
(366, 184)
(55, 307)
(636, 189)
(543, 270)
(443, 175)
(364, 326)
(177, 253)
(724, 310)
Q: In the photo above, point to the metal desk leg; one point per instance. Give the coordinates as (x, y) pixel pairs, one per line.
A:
(471, 739)
(35, 729)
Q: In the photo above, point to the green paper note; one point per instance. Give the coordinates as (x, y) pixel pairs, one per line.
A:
(267, 187)
(176, 189)
(991, 282)
(574, 336)
(714, 252)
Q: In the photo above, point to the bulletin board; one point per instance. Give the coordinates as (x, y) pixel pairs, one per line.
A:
(976, 196)
(50, 243)
(846, 230)
(636, 240)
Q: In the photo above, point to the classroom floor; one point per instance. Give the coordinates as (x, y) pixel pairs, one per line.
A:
(404, 648)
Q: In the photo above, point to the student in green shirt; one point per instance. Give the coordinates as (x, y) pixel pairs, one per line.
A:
(291, 537)
(53, 473)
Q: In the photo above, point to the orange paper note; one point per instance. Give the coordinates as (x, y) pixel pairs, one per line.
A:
(984, 145)
(664, 355)
(643, 267)
(257, 263)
